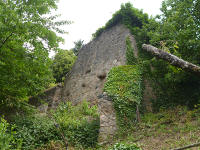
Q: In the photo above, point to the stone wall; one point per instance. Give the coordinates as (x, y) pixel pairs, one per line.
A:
(95, 59)
(47, 100)
(88, 75)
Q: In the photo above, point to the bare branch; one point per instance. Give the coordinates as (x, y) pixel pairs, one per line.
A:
(6, 40)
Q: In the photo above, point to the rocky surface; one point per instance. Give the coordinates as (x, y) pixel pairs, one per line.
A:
(108, 121)
(49, 99)
(95, 59)
(88, 75)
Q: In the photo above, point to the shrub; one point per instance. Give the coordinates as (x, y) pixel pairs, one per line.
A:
(7, 139)
(62, 64)
(35, 131)
(120, 146)
(80, 124)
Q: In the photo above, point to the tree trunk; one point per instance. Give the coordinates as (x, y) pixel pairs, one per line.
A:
(138, 114)
(188, 146)
(172, 59)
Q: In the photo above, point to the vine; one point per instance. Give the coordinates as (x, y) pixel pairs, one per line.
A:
(130, 58)
(124, 87)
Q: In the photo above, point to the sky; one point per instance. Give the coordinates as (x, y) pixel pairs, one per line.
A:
(89, 15)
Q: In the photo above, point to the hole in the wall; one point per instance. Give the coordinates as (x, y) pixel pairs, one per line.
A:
(88, 71)
(67, 93)
(102, 76)
(83, 85)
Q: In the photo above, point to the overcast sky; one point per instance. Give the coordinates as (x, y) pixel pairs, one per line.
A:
(89, 15)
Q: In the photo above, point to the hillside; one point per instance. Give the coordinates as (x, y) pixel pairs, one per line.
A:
(168, 129)
(113, 95)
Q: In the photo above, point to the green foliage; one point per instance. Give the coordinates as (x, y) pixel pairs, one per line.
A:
(78, 45)
(120, 146)
(62, 64)
(179, 29)
(173, 86)
(130, 58)
(176, 31)
(124, 86)
(7, 137)
(172, 123)
(35, 131)
(80, 124)
(53, 145)
(127, 15)
(27, 36)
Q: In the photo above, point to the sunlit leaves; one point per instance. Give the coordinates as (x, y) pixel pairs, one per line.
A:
(62, 64)
(27, 36)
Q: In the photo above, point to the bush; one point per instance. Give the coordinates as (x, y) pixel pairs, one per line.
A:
(35, 131)
(120, 146)
(62, 64)
(7, 139)
(80, 124)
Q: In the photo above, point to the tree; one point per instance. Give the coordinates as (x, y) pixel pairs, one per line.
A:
(176, 31)
(128, 15)
(172, 59)
(27, 35)
(77, 46)
(179, 29)
(62, 64)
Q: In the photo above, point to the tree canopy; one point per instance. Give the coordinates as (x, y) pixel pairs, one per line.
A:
(127, 15)
(62, 64)
(27, 35)
(77, 46)
(176, 31)
(179, 29)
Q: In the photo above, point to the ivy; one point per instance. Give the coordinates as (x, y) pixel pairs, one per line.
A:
(127, 15)
(124, 87)
(175, 30)
(130, 58)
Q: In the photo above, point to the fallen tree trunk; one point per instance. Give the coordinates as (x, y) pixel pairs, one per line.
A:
(188, 146)
(172, 59)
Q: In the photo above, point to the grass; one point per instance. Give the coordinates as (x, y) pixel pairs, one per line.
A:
(167, 129)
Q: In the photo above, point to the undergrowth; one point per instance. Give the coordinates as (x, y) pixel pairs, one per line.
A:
(7, 136)
(167, 129)
(78, 124)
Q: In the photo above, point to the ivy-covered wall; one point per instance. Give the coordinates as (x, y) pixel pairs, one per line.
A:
(171, 86)
(124, 87)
